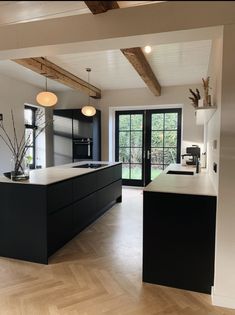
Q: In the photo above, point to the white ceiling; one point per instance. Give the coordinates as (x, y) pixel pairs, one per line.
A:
(110, 69)
(173, 64)
(180, 63)
(13, 12)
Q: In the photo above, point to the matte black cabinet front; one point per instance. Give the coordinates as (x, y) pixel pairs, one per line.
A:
(179, 240)
(37, 220)
(70, 126)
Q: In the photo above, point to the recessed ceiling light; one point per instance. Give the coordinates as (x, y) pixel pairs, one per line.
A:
(147, 49)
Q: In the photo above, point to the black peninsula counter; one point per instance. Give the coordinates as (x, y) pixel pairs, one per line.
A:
(40, 215)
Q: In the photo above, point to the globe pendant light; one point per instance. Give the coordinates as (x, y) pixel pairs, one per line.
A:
(46, 98)
(88, 110)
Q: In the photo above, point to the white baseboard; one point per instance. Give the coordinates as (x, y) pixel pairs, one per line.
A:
(222, 301)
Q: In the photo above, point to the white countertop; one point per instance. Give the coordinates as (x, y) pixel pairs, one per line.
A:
(50, 175)
(197, 184)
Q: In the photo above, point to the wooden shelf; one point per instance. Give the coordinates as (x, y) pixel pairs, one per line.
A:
(204, 114)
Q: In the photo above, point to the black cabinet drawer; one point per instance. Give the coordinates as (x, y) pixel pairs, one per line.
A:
(84, 212)
(108, 194)
(87, 184)
(60, 228)
(91, 207)
(84, 185)
(59, 195)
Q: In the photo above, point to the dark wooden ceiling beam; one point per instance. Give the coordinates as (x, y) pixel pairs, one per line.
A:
(97, 7)
(138, 60)
(54, 72)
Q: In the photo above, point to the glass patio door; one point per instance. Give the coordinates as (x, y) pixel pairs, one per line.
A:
(146, 143)
(130, 146)
(163, 140)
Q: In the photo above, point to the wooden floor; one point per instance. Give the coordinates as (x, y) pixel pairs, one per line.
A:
(98, 272)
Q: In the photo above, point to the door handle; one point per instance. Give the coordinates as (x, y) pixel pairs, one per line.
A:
(148, 155)
(89, 150)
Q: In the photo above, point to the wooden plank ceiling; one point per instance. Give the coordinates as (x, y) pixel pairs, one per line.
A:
(54, 72)
(134, 55)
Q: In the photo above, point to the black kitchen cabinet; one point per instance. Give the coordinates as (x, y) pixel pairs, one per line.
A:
(82, 125)
(179, 240)
(76, 137)
(36, 220)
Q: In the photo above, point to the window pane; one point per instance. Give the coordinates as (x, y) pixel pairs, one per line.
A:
(136, 155)
(156, 170)
(157, 139)
(170, 139)
(124, 155)
(171, 120)
(137, 122)
(136, 171)
(124, 139)
(170, 156)
(28, 136)
(29, 154)
(28, 116)
(157, 121)
(136, 139)
(126, 171)
(157, 156)
(124, 122)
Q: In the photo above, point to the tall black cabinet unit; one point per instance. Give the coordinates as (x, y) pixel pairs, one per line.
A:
(76, 137)
(179, 240)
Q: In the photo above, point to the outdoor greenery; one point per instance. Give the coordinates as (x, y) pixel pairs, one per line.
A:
(136, 171)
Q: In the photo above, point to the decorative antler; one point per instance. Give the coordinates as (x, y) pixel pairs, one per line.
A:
(195, 98)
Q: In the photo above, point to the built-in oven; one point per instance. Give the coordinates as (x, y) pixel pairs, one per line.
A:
(82, 149)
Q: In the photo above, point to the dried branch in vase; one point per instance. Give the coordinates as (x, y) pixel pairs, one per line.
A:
(206, 88)
(19, 146)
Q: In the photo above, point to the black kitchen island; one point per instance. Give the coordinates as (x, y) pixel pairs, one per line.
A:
(40, 215)
(179, 230)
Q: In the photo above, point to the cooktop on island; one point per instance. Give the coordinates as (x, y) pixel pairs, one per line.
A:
(90, 165)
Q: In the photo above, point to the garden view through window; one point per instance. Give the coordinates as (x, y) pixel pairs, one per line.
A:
(146, 143)
(30, 125)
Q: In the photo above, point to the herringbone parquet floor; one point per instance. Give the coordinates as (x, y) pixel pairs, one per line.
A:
(98, 272)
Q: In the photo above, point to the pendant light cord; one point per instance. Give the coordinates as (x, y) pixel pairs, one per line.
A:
(88, 71)
(46, 71)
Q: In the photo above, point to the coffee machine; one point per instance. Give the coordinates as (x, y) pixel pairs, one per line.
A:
(193, 153)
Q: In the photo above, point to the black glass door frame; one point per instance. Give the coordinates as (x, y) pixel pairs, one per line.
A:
(130, 130)
(149, 130)
(147, 148)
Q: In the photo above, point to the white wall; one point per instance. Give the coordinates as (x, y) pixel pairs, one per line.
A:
(213, 126)
(13, 95)
(143, 98)
(224, 287)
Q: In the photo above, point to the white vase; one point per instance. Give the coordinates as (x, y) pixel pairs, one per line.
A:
(201, 102)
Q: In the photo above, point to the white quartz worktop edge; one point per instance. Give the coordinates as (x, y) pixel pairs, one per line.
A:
(197, 184)
(51, 175)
